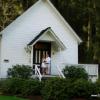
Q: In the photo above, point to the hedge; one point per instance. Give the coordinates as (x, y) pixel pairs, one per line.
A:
(20, 87)
(66, 89)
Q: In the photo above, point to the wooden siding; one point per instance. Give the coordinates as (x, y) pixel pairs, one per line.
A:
(19, 33)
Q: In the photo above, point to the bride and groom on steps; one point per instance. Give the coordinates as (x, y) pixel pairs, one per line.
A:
(46, 62)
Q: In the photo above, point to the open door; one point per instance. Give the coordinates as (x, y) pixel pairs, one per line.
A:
(40, 49)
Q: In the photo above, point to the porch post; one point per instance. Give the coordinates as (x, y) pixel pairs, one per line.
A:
(32, 56)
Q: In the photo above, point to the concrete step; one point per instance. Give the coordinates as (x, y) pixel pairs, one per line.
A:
(45, 77)
(49, 76)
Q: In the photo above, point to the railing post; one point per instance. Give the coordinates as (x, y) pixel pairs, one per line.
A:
(35, 69)
(37, 72)
(60, 72)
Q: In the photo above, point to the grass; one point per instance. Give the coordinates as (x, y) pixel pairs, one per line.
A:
(11, 98)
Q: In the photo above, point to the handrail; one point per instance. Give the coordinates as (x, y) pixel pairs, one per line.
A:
(60, 72)
(37, 72)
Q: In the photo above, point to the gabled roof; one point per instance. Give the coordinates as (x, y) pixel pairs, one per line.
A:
(45, 31)
(38, 36)
(57, 13)
(64, 21)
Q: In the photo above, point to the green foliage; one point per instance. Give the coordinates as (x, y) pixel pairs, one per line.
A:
(65, 89)
(9, 10)
(52, 89)
(20, 71)
(20, 87)
(98, 86)
(75, 72)
(82, 88)
(31, 87)
(11, 86)
(55, 89)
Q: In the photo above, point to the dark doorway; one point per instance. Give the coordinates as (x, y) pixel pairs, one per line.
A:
(40, 49)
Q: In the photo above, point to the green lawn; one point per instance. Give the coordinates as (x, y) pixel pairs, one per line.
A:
(11, 98)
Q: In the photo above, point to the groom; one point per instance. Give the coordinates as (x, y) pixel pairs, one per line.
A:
(48, 63)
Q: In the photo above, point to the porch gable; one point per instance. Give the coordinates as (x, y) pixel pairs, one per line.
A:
(47, 35)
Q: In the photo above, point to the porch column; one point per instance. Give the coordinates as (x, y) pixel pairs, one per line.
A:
(32, 56)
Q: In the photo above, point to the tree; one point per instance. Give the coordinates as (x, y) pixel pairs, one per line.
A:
(96, 48)
(9, 10)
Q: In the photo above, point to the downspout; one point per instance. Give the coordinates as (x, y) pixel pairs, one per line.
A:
(32, 56)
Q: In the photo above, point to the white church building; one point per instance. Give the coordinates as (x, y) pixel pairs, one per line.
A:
(40, 30)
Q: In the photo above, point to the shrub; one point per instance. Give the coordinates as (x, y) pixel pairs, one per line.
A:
(75, 72)
(55, 89)
(21, 87)
(31, 87)
(82, 88)
(11, 86)
(66, 89)
(4, 84)
(52, 89)
(98, 86)
(20, 71)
